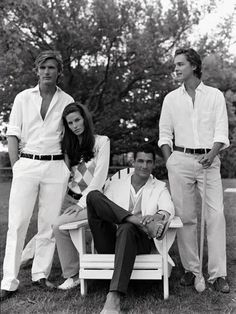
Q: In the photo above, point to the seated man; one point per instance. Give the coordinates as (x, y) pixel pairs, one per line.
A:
(124, 220)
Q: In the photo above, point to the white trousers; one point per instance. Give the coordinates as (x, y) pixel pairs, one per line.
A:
(46, 180)
(67, 252)
(185, 177)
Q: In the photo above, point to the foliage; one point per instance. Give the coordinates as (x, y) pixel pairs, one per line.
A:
(219, 70)
(117, 56)
(220, 73)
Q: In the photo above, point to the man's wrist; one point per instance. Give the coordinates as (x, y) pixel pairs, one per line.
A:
(165, 214)
(14, 161)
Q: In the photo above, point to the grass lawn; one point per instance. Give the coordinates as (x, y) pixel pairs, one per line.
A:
(143, 296)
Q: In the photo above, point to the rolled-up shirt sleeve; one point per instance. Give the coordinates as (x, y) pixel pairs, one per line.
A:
(165, 202)
(166, 125)
(14, 127)
(221, 121)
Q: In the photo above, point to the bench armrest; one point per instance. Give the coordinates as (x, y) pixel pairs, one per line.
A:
(74, 225)
(175, 223)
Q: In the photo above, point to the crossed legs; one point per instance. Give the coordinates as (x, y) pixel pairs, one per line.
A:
(112, 233)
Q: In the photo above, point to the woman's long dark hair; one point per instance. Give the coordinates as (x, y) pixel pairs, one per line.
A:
(75, 150)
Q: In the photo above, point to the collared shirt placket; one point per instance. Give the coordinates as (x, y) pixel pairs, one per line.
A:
(193, 125)
(38, 136)
(195, 121)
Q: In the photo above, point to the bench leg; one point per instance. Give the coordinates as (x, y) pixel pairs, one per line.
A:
(83, 287)
(165, 269)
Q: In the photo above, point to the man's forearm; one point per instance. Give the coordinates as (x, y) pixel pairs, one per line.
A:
(216, 148)
(67, 160)
(13, 149)
(166, 151)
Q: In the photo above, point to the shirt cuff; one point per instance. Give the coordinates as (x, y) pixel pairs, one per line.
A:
(222, 139)
(164, 141)
(13, 131)
(164, 213)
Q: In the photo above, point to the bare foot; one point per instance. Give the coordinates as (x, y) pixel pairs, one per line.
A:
(154, 229)
(112, 303)
(157, 228)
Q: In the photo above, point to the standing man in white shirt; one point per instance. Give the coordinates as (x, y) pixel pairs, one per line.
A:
(194, 116)
(39, 171)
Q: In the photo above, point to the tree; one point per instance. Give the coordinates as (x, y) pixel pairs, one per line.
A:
(117, 56)
(220, 73)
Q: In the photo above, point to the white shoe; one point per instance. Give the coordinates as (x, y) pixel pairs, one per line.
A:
(69, 283)
(199, 283)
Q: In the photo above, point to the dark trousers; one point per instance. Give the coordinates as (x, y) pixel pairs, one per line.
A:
(112, 234)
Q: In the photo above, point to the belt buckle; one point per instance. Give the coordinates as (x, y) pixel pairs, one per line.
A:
(51, 157)
(184, 150)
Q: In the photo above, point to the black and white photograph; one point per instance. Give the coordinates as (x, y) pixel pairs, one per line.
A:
(118, 156)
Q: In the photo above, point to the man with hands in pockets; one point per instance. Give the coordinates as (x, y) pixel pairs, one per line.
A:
(193, 129)
(39, 171)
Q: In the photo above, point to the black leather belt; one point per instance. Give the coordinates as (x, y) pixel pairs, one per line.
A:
(192, 150)
(42, 157)
(76, 196)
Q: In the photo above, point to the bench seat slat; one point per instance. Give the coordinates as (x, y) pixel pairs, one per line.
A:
(107, 274)
(101, 261)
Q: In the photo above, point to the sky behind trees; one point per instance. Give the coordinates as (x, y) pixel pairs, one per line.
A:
(208, 23)
(118, 57)
(224, 9)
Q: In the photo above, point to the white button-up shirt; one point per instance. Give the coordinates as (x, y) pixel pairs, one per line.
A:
(197, 125)
(135, 200)
(38, 136)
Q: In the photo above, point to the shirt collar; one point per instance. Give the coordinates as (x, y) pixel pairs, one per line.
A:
(36, 88)
(201, 88)
(146, 185)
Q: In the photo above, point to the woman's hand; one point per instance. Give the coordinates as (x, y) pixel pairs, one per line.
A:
(74, 209)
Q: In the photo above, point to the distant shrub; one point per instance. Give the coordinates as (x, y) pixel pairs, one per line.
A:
(4, 159)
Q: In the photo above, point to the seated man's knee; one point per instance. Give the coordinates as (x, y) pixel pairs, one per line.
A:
(93, 196)
(127, 228)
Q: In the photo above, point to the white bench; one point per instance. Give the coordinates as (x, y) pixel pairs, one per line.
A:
(155, 266)
(100, 266)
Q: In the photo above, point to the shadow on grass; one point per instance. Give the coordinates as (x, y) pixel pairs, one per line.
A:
(143, 296)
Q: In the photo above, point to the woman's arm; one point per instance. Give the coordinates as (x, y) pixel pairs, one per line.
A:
(67, 160)
(100, 172)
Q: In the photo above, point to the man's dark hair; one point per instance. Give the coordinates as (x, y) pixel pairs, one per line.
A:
(193, 58)
(145, 148)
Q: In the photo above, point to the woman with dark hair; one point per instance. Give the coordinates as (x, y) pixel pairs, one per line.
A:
(87, 156)
(73, 145)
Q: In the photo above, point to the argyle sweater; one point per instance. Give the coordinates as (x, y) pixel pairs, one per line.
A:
(91, 175)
